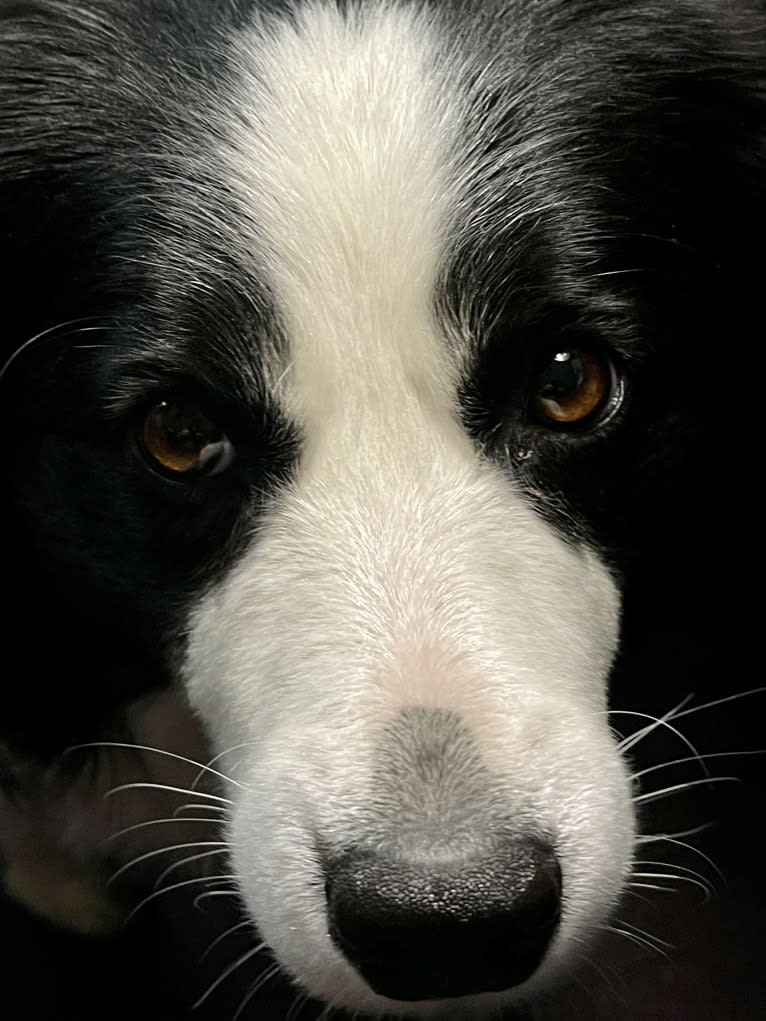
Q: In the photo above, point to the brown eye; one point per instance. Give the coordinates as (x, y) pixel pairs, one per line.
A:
(573, 387)
(179, 438)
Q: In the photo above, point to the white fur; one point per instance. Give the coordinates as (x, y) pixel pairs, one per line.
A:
(399, 568)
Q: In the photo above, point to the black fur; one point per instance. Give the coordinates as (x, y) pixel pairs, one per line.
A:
(118, 257)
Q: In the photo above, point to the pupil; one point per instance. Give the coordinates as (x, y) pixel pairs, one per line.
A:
(564, 377)
(186, 432)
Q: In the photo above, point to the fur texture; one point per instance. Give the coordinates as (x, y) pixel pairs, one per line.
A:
(356, 235)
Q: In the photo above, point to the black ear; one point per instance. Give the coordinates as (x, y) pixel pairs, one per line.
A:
(61, 279)
(42, 262)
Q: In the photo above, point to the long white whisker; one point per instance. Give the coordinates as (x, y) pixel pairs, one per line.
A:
(267, 976)
(164, 850)
(695, 758)
(683, 869)
(230, 889)
(677, 870)
(676, 878)
(192, 807)
(215, 758)
(647, 935)
(186, 861)
(170, 889)
(677, 713)
(644, 799)
(638, 940)
(653, 838)
(157, 822)
(228, 971)
(652, 886)
(158, 751)
(647, 716)
(607, 978)
(165, 787)
(214, 893)
(298, 1004)
(627, 743)
(219, 939)
(720, 701)
(46, 333)
(690, 847)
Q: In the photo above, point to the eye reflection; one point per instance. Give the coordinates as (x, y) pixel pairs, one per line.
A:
(572, 388)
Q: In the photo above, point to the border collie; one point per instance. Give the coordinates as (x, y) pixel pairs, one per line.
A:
(356, 354)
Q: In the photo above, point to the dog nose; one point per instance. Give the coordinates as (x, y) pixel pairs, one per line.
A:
(421, 930)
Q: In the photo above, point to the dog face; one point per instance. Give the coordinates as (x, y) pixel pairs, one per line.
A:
(412, 574)
(371, 318)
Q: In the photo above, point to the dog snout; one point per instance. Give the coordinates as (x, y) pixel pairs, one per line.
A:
(427, 929)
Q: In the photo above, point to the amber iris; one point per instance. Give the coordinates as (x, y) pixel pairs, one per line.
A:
(180, 438)
(573, 388)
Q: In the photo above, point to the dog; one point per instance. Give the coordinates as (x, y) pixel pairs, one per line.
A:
(359, 360)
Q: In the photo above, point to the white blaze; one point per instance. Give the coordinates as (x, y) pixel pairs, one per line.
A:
(398, 568)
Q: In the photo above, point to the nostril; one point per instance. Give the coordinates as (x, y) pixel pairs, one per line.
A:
(418, 931)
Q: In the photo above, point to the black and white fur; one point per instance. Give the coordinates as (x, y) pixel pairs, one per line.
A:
(351, 231)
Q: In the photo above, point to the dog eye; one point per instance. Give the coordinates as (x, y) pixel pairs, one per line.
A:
(573, 388)
(179, 438)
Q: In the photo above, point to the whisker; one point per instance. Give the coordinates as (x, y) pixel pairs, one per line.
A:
(644, 799)
(621, 272)
(186, 861)
(677, 713)
(637, 939)
(651, 886)
(229, 970)
(721, 701)
(607, 978)
(170, 889)
(672, 865)
(298, 1004)
(158, 751)
(156, 822)
(163, 850)
(695, 758)
(199, 808)
(165, 787)
(688, 847)
(631, 890)
(653, 838)
(649, 936)
(267, 976)
(215, 758)
(662, 721)
(647, 716)
(48, 333)
(676, 878)
(219, 939)
(214, 893)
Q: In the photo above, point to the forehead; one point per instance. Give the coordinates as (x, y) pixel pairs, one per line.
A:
(380, 185)
(341, 155)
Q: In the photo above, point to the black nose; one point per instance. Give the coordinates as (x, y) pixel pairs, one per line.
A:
(420, 930)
